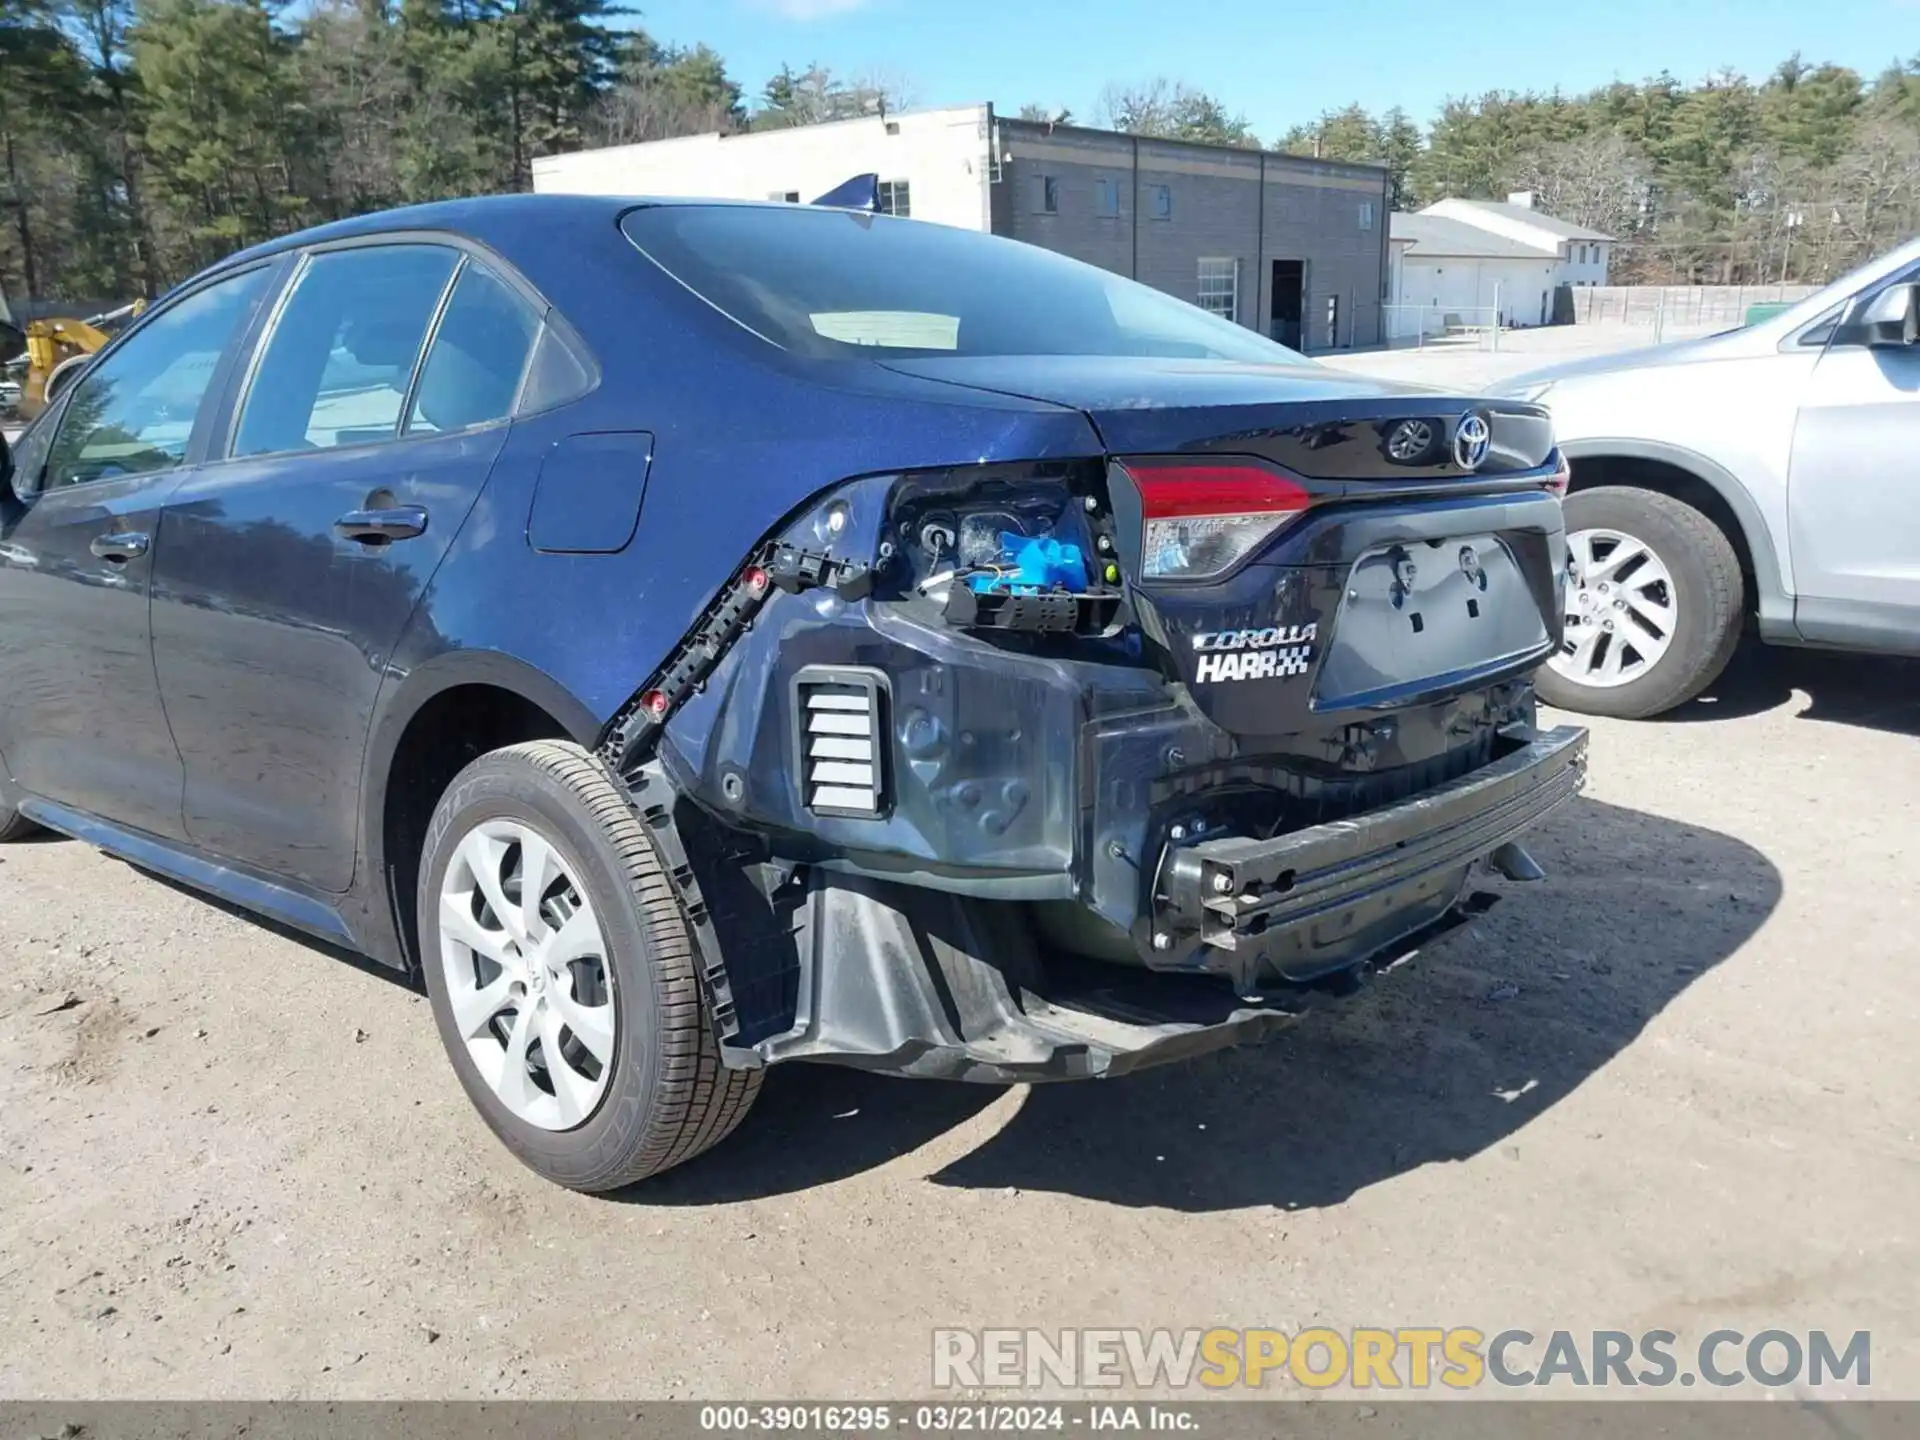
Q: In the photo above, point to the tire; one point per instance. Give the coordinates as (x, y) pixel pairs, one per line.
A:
(664, 1096)
(1689, 560)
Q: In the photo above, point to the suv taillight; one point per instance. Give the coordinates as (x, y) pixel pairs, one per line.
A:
(1201, 518)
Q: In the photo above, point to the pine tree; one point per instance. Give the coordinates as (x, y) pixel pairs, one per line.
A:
(222, 121)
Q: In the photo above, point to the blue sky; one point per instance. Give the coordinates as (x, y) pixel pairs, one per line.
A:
(1280, 61)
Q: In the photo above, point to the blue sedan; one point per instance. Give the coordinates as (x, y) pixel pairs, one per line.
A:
(691, 636)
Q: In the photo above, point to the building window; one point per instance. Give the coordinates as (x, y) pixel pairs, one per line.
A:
(1220, 288)
(1046, 194)
(895, 199)
(1366, 214)
(1106, 198)
(1160, 202)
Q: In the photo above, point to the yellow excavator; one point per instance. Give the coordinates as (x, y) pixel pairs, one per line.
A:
(57, 349)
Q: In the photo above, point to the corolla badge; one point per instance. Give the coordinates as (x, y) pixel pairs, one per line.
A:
(1276, 652)
(1471, 437)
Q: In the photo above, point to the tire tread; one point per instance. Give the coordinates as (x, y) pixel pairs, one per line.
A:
(698, 1100)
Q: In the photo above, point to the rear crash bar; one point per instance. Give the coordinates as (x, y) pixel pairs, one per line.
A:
(1235, 889)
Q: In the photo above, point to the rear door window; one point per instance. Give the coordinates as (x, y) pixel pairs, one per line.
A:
(340, 360)
(478, 356)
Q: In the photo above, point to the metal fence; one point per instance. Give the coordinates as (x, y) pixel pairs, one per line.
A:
(1460, 327)
(1688, 306)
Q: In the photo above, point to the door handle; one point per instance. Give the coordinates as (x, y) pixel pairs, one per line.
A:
(378, 527)
(120, 547)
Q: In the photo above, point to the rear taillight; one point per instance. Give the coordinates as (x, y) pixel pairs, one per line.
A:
(1200, 519)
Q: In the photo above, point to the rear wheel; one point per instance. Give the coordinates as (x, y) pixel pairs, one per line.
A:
(562, 976)
(1654, 602)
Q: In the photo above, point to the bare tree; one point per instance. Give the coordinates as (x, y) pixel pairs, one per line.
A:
(1599, 181)
(1874, 197)
(636, 112)
(1174, 111)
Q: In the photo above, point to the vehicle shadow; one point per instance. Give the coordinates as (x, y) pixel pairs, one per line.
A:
(331, 951)
(1876, 692)
(1439, 1060)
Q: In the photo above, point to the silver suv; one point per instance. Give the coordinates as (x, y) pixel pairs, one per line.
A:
(1767, 473)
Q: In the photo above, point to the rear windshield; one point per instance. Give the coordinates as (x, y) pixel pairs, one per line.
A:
(835, 284)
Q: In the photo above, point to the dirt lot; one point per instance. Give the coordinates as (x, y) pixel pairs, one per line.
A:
(1672, 1087)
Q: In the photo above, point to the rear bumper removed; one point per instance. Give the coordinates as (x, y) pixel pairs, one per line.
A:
(1006, 785)
(1260, 895)
(911, 981)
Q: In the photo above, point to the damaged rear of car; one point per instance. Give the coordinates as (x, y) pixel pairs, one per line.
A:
(693, 636)
(1044, 769)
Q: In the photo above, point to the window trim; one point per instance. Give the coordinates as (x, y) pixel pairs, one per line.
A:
(427, 342)
(219, 386)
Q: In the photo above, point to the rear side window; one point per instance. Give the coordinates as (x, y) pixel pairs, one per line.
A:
(557, 374)
(478, 355)
(340, 359)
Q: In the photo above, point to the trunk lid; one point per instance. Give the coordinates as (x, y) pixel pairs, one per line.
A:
(1307, 418)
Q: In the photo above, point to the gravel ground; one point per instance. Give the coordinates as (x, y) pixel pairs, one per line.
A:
(1671, 1087)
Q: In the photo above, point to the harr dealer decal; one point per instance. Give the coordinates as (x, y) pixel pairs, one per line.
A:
(1278, 650)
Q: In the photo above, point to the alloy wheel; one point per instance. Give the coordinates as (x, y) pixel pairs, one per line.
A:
(1621, 609)
(528, 978)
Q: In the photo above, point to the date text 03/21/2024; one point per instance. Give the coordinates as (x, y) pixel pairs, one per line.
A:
(942, 1419)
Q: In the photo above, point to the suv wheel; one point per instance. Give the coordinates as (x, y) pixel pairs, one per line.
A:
(1654, 602)
(562, 977)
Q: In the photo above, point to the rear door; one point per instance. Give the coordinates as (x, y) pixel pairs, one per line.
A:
(80, 716)
(378, 400)
(1853, 497)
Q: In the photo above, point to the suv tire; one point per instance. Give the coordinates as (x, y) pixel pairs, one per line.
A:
(627, 978)
(1698, 577)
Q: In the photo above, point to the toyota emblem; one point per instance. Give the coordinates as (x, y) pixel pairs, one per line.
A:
(1471, 437)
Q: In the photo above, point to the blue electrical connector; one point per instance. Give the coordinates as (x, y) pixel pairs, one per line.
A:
(1033, 565)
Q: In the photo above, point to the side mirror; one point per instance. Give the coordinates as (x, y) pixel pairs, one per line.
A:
(1889, 319)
